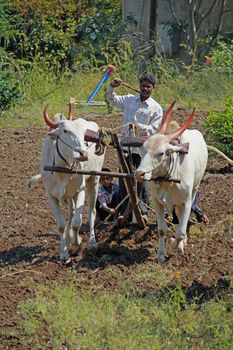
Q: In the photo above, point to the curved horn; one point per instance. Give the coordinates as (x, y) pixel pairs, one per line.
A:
(50, 122)
(70, 113)
(179, 131)
(166, 119)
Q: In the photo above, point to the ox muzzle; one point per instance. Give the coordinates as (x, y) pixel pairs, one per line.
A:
(80, 156)
(141, 175)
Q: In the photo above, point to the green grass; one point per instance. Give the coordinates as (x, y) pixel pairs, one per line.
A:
(205, 90)
(145, 306)
(87, 316)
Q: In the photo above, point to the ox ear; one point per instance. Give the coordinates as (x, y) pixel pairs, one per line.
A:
(54, 133)
(180, 147)
(174, 148)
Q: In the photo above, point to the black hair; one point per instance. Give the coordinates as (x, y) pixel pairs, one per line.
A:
(106, 170)
(147, 77)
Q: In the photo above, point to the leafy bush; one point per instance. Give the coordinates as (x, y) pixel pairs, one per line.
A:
(10, 92)
(221, 57)
(220, 127)
(44, 31)
(61, 34)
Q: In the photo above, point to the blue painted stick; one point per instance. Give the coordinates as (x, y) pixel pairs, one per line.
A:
(105, 77)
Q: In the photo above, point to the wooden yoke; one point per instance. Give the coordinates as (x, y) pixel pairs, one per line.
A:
(129, 185)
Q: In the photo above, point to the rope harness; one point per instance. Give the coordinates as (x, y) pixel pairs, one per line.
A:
(104, 140)
(58, 151)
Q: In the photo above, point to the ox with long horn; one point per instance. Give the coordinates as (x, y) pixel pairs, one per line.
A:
(65, 146)
(164, 159)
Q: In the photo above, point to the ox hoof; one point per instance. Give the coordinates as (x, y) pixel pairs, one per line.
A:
(76, 241)
(181, 248)
(180, 251)
(160, 259)
(65, 261)
(177, 245)
(92, 243)
(174, 244)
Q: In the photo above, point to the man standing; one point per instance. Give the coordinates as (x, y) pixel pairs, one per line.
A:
(141, 113)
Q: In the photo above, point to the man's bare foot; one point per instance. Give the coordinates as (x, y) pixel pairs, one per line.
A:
(205, 219)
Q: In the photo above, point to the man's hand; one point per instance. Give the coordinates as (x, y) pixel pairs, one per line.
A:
(116, 83)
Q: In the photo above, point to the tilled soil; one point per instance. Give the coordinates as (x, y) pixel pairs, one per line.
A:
(29, 246)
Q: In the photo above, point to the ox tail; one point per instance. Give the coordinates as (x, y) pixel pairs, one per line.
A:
(33, 180)
(214, 149)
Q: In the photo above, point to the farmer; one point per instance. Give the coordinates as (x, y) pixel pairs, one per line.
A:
(107, 198)
(142, 115)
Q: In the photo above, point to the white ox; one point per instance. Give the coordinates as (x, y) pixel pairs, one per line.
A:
(163, 159)
(64, 146)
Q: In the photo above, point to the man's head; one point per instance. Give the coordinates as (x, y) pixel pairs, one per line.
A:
(147, 83)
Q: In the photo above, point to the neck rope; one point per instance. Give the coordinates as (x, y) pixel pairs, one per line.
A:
(58, 151)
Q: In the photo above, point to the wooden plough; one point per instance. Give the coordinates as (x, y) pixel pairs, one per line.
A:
(112, 139)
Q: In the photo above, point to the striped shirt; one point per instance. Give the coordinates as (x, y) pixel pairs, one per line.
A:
(148, 114)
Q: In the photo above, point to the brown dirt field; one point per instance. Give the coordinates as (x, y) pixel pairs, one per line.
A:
(29, 246)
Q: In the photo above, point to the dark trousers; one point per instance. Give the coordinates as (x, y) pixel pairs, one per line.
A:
(133, 162)
(196, 209)
(103, 213)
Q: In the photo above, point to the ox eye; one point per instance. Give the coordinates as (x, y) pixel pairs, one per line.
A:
(65, 131)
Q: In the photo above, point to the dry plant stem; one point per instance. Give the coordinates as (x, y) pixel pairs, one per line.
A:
(18, 272)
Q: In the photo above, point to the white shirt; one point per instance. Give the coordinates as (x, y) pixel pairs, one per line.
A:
(148, 114)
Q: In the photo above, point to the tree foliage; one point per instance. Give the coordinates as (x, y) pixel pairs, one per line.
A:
(59, 33)
(192, 27)
(100, 34)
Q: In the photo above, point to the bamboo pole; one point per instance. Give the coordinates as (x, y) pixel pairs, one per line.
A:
(130, 87)
(58, 169)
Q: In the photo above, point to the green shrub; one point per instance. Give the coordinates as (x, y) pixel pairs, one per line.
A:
(10, 92)
(220, 127)
(220, 58)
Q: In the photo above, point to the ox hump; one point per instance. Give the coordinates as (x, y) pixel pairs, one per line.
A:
(86, 124)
